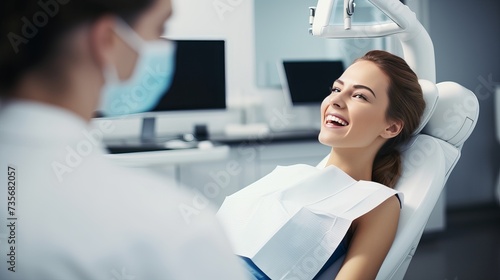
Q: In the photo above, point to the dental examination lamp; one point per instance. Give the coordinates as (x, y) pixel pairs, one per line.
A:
(416, 43)
(434, 149)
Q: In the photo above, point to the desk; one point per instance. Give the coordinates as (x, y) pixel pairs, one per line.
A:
(168, 162)
(171, 156)
(281, 136)
(203, 151)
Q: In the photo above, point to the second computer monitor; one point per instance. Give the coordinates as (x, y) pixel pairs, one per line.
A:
(307, 82)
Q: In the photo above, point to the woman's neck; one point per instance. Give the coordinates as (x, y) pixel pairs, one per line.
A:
(357, 163)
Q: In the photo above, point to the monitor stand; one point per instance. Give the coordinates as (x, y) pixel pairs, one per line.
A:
(149, 138)
(148, 141)
(148, 131)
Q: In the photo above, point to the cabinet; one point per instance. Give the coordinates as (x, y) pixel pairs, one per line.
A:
(217, 179)
(306, 152)
(247, 162)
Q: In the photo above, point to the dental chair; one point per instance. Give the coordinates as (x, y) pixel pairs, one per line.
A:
(428, 159)
(449, 118)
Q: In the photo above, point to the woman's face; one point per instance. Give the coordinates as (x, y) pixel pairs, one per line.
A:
(354, 114)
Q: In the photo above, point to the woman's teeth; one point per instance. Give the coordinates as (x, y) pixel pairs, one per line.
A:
(333, 119)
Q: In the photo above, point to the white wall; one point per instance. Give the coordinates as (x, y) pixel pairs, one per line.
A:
(281, 28)
(233, 21)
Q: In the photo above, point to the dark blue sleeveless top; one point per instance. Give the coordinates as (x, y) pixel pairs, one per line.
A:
(260, 275)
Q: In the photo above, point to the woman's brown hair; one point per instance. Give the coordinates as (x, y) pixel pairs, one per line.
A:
(406, 103)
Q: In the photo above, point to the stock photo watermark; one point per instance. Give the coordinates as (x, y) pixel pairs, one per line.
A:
(32, 25)
(128, 101)
(122, 275)
(453, 118)
(75, 155)
(222, 7)
(92, 139)
(221, 179)
(315, 259)
(11, 217)
(363, 36)
(418, 157)
(486, 87)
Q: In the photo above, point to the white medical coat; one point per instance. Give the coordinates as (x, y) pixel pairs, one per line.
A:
(78, 216)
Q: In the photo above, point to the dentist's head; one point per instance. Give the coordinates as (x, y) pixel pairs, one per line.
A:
(86, 55)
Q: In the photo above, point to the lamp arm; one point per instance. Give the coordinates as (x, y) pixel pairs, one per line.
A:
(417, 45)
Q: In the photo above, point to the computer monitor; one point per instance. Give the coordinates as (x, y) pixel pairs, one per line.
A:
(307, 82)
(199, 82)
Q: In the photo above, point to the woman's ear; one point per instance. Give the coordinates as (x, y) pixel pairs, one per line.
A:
(393, 129)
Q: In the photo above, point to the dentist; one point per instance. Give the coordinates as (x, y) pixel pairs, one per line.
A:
(65, 211)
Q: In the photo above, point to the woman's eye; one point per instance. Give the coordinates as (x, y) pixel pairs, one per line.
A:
(361, 96)
(334, 89)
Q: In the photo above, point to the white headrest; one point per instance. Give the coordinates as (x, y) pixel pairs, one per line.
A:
(455, 115)
(430, 94)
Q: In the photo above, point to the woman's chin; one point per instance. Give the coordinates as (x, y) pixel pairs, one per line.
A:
(327, 139)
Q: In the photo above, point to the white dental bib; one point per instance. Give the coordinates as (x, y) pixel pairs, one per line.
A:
(291, 221)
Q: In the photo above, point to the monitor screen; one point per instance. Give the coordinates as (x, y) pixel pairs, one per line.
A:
(308, 81)
(199, 82)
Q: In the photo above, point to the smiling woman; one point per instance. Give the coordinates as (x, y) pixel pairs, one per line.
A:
(379, 100)
(373, 108)
(398, 106)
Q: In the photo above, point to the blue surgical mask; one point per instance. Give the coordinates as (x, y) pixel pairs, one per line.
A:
(149, 81)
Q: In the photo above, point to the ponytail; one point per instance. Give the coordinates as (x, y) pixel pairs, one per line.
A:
(387, 167)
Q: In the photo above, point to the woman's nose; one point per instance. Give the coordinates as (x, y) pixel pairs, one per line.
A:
(336, 100)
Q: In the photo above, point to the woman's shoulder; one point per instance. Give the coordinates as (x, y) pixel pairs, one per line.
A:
(386, 212)
(391, 205)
